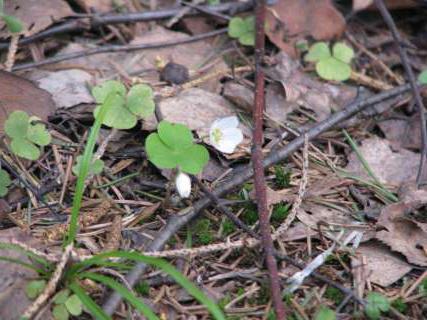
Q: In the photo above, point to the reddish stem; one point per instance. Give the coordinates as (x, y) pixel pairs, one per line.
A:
(257, 159)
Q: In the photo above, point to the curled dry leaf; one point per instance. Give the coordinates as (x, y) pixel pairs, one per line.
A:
(383, 267)
(291, 20)
(404, 233)
(17, 93)
(390, 167)
(36, 15)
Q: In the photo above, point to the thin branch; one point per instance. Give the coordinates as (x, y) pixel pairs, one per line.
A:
(118, 48)
(415, 90)
(177, 221)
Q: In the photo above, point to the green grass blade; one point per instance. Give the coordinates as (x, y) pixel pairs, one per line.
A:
(84, 170)
(18, 248)
(24, 264)
(87, 301)
(163, 265)
(123, 291)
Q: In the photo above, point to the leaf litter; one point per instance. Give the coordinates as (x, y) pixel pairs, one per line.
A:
(392, 248)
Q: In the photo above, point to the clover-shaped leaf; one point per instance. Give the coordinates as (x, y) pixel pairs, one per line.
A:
(25, 135)
(335, 66)
(61, 296)
(173, 147)
(34, 288)
(74, 305)
(243, 30)
(4, 182)
(96, 166)
(60, 312)
(377, 303)
(124, 110)
(422, 77)
(325, 313)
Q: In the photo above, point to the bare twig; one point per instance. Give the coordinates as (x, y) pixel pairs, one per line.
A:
(51, 285)
(415, 90)
(177, 221)
(257, 157)
(11, 54)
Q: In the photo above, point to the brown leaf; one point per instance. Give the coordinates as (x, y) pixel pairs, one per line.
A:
(391, 4)
(241, 96)
(36, 15)
(291, 20)
(14, 278)
(389, 167)
(383, 267)
(403, 133)
(97, 5)
(403, 234)
(17, 93)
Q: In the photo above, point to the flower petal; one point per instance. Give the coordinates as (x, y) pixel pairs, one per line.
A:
(183, 185)
(231, 138)
(225, 123)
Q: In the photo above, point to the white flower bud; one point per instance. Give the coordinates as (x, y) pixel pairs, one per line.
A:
(183, 185)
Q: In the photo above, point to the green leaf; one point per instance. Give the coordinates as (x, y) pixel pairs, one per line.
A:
(422, 78)
(4, 182)
(193, 159)
(102, 91)
(34, 288)
(124, 292)
(243, 30)
(16, 125)
(61, 296)
(318, 51)
(95, 167)
(376, 303)
(325, 313)
(333, 69)
(118, 116)
(140, 100)
(343, 52)
(159, 153)
(89, 304)
(175, 135)
(60, 312)
(38, 134)
(13, 24)
(74, 305)
(25, 149)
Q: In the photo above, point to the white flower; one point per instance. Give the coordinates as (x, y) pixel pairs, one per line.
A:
(183, 185)
(225, 135)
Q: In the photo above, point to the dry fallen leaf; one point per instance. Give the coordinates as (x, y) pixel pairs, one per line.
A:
(67, 87)
(291, 20)
(403, 233)
(35, 15)
(98, 5)
(390, 167)
(14, 278)
(391, 4)
(403, 133)
(17, 93)
(383, 267)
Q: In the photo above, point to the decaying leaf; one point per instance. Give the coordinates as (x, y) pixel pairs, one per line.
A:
(17, 93)
(391, 4)
(403, 232)
(14, 278)
(383, 267)
(67, 87)
(390, 167)
(36, 15)
(403, 133)
(241, 96)
(291, 20)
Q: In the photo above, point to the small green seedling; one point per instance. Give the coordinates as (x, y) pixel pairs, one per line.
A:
(95, 168)
(335, 66)
(422, 77)
(25, 135)
(377, 304)
(12, 23)
(243, 30)
(127, 107)
(64, 305)
(173, 147)
(34, 288)
(325, 313)
(4, 182)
